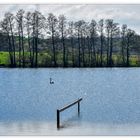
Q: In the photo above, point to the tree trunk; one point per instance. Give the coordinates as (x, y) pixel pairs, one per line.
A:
(123, 55)
(72, 45)
(22, 42)
(19, 42)
(93, 55)
(10, 51)
(101, 55)
(13, 46)
(36, 51)
(111, 48)
(79, 52)
(89, 51)
(64, 50)
(108, 46)
(54, 57)
(127, 58)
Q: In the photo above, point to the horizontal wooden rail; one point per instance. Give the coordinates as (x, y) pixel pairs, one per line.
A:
(66, 107)
(69, 105)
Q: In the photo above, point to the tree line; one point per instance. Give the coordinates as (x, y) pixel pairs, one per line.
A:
(33, 40)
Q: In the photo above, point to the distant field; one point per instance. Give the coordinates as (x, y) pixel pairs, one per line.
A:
(45, 59)
(42, 58)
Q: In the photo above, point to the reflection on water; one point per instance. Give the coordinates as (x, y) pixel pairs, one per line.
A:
(110, 104)
(75, 120)
(73, 128)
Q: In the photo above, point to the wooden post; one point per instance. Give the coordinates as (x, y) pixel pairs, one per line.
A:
(78, 108)
(58, 119)
(65, 107)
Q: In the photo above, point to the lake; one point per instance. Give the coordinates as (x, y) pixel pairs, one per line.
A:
(110, 105)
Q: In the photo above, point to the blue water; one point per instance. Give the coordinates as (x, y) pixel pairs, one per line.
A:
(110, 95)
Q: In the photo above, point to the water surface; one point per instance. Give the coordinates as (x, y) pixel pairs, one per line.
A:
(110, 105)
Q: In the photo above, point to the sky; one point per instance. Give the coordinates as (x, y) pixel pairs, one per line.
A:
(123, 14)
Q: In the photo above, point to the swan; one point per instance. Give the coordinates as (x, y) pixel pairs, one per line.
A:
(51, 82)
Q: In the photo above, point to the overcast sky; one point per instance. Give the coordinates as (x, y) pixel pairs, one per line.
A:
(123, 14)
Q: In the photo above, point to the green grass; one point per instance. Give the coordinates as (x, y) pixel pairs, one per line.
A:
(45, 59)
(4, 58)
(134, 61)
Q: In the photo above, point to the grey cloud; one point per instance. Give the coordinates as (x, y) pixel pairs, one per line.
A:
(128, 14)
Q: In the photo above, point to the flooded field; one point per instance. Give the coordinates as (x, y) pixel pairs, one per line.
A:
(110, 105)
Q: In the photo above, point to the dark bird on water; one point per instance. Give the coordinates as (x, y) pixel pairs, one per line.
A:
(51, 82)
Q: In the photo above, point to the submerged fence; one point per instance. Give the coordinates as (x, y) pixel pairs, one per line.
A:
(66, 107)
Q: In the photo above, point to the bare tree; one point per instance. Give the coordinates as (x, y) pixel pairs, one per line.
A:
(123, 42)
(93, 36)
(101, 29)
(8, 25)
(20, 26)
(6, 31)
(79, 25)
(112, 30)
(28, 25)
(77, 30)
(38, 23)
(62, 30)
(129, 37)
(71, 35)
(83, 38)
(52, 25)
(108, 40)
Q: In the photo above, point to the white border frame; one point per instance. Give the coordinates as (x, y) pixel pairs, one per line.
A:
(69, 2)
